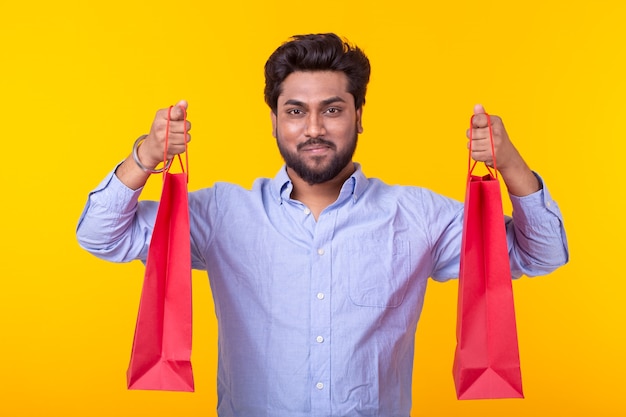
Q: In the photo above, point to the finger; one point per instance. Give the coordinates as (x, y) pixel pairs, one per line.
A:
(176, 139)
(481, 145)
(179, 126)
(482, 156)
(175, 150)
(478, 133)
(185, 138)
(177, 144)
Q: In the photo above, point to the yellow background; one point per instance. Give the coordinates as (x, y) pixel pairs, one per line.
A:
(81, 80)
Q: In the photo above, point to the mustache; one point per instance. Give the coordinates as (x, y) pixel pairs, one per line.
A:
(316, 141)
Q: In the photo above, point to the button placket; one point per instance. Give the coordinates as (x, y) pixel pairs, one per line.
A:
(321, 256)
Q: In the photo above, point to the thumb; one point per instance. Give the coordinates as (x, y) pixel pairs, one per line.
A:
(178, 111)
(183, 104)
(479, 109)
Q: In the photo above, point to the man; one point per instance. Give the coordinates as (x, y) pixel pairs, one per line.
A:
(319, 274)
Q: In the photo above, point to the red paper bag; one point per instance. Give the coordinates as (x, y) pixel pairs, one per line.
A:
(161, 353)
(486, 361)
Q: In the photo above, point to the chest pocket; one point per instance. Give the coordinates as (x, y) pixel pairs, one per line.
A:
(379, 272)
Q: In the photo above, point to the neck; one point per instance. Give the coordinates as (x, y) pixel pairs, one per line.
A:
(318, 196)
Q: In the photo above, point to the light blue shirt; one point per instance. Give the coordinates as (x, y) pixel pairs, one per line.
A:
(318, 318)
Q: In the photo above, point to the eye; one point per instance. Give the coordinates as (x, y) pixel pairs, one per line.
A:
(295, 112)
(333, 110)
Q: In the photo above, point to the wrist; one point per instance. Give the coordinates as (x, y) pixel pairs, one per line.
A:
(143, 161)
(519, 179)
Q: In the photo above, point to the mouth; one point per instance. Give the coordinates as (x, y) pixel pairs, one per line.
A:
(315, 149)
(316, 146)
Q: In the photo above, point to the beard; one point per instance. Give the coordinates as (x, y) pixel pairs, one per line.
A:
(317, 171)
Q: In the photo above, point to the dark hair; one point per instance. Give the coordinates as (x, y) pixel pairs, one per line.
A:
(317, 52)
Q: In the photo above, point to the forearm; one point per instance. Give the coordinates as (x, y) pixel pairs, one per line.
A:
(113, 225)
(520, 181)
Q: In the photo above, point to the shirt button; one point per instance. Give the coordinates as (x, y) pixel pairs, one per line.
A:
(307, 211)
(320, 295)
(320, 251)
(319, 385)
(319, 339)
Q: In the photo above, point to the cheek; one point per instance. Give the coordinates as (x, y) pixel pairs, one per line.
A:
(289, 130)
(345, 130)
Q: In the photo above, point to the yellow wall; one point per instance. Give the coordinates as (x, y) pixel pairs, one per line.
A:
(81, 80)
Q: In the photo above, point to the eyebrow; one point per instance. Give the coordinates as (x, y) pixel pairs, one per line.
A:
(326, 102)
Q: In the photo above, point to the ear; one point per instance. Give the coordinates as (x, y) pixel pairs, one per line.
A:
(273, 117)
(359, 120)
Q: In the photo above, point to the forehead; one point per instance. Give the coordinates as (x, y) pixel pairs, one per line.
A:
(315, 86)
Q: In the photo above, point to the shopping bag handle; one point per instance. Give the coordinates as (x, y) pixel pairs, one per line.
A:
(185, 167)
(470, 165)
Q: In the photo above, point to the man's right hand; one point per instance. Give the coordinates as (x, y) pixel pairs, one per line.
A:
(152, 150)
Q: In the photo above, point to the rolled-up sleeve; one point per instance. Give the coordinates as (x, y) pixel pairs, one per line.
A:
(113, 225)
(536, 234)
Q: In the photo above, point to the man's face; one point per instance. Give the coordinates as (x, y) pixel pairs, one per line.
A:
(316, 125)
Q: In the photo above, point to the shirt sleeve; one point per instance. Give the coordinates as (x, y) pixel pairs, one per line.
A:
(536, 238)
(536, 234)
(114, 226)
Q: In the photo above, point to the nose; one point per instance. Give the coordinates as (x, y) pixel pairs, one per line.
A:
(314, 126)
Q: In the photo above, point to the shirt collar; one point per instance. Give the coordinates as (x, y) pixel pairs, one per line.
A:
(354, 186)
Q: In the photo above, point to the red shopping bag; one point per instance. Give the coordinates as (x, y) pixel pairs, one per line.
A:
(161, 352)
(486, 360)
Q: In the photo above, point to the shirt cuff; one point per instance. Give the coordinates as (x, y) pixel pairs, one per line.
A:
(535, 207)
(113, 194)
